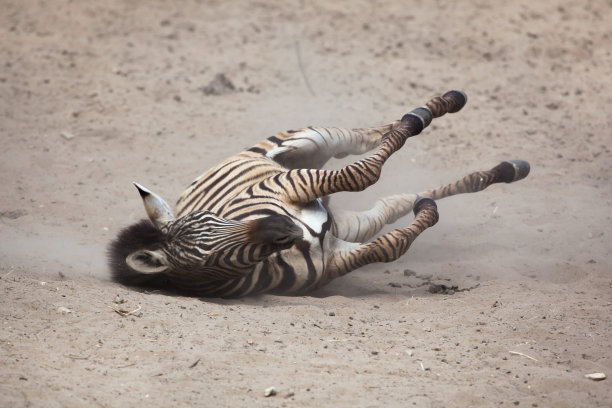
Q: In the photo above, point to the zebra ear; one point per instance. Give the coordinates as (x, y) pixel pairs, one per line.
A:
(158, 211)
(145, 261)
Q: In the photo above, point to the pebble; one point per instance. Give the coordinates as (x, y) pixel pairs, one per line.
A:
(409, 272)
(270, 392)
(67, 135)
(596, 376)
(63, 310)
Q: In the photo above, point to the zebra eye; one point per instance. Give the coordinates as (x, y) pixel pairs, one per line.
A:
(283, 240)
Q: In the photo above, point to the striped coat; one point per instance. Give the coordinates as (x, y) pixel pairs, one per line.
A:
(258, 222)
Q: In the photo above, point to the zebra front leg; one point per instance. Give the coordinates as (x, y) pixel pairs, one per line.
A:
(305, 185)
(387, 248)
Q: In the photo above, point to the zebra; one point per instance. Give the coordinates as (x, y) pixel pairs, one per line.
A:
(260, 221)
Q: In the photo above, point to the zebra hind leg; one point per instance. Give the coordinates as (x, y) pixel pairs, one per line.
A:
(360, 226)
(505, 172)
(387, 248)
(312, 147)
(305, 185)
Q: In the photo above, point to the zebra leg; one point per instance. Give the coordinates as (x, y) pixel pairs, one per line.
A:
(312, 147)
(354, 226)
(360, 226)
(387, 248)
(305, 185)
(505, 172)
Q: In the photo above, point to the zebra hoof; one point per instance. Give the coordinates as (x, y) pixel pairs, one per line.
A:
(521, 169)
(512, 170)
(456, 100)
(423, 204)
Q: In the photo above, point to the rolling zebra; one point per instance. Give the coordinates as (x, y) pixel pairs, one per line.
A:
(259, 222)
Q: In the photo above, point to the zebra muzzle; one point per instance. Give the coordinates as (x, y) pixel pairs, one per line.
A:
(275, 230)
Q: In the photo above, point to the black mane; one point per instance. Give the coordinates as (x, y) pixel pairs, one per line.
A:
(142, 235)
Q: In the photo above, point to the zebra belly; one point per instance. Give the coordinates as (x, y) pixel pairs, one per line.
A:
(301, 266)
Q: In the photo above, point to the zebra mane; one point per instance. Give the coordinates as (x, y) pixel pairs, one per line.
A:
(138, 236)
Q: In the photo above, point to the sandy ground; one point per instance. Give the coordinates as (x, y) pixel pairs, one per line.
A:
(94, 95)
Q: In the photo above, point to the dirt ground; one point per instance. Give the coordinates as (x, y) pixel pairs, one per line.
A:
(95, 95)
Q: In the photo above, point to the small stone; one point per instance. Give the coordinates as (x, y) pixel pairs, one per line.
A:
(596, 376)
(410, 352)
(220, 85)
(270, 392)
(63, 310)
(290, 394)
(409, 272)
(67, 135)
(395, 285)
(332, 313)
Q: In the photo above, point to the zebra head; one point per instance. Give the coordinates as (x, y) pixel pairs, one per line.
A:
(199, 245)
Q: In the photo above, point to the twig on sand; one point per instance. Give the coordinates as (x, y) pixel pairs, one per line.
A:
(124, 312)
(518, 353)
(195, 364)
(8, 273)
(75, 357)
(301, 65)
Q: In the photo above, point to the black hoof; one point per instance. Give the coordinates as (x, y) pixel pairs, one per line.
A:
(521, 169)
(512, 170)
(423, 203)
(457, 100)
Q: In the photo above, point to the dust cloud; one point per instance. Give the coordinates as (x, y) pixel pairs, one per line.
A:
(53, 255)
